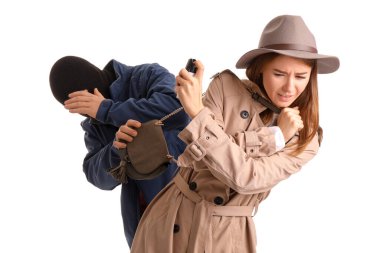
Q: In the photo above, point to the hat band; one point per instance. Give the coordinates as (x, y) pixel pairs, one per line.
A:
(298, 47)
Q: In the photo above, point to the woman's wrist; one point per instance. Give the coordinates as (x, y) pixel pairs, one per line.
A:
(195, 112)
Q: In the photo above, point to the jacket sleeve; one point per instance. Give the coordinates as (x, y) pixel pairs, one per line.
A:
(258, 142)
(208, 143)
(227, 161)
(150, 96)
(100, 158)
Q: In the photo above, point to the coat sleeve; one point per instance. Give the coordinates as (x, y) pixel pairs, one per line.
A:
(207, 142)
(257, 142)
(150, 95)
(100, 158)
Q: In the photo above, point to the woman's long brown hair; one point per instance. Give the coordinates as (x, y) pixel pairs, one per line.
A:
(307, 102)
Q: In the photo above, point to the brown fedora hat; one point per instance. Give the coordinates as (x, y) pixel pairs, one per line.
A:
(289, 35)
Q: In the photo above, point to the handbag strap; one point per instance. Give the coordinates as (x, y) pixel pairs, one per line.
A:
(161, 121)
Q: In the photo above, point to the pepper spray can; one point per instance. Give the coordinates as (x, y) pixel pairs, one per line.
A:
(190, 66)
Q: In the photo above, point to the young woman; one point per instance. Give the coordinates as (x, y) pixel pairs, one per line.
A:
(245, 137)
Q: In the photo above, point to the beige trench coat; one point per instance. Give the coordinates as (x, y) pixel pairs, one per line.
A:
(227, 169)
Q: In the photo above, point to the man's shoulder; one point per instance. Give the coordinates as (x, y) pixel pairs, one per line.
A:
(151, 66)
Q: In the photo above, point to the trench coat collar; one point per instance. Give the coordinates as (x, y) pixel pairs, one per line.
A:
(249, 88)
(253, 87)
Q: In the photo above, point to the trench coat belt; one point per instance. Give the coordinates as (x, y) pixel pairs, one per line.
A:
(203, 212)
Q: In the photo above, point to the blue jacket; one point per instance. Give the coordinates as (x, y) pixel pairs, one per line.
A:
(143, 93)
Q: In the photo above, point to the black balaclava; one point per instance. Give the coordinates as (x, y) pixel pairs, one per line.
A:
(71, 73)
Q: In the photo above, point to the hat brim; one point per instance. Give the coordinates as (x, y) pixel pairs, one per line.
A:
(326, 63)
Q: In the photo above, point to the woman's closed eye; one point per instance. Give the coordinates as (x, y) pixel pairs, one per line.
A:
(278, 74)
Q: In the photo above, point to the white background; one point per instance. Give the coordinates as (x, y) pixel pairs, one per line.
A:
(48, 206)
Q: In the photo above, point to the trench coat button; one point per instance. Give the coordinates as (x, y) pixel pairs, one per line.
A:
(218, 200)
(244, 114)
(193, 186)
(176, 228)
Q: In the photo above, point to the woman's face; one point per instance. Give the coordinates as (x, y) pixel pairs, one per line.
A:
(284, 79)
